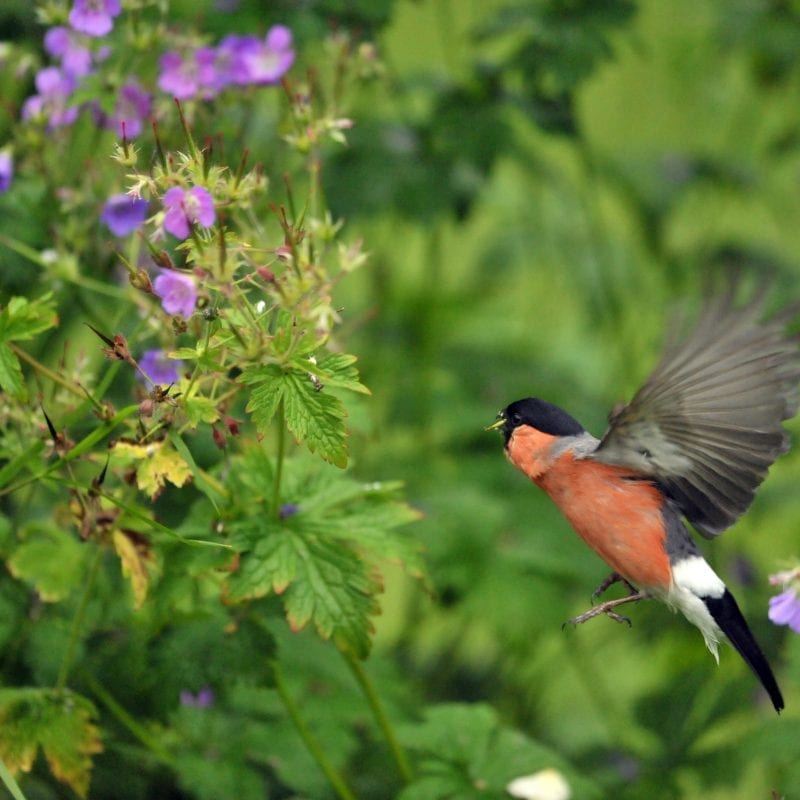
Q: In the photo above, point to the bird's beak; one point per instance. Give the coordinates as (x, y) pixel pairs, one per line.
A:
(498, 423)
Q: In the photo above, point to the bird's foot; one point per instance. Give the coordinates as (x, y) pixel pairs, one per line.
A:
(607, 608)
(613, 578)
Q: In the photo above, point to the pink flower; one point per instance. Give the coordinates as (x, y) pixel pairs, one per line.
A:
(185, 207)
(784, 609)
(177, 292)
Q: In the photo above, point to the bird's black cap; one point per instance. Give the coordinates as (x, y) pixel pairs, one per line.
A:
(539, 414)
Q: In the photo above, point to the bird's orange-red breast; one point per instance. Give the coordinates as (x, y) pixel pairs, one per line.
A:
(694, 444)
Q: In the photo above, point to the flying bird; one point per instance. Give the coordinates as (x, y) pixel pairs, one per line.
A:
(692, 446)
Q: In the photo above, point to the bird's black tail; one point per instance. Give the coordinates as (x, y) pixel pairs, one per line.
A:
(727, 615)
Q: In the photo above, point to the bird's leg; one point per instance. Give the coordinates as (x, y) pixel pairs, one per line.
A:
(607, 608)
(613, 578)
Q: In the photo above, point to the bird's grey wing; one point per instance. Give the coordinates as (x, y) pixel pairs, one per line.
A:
(707, 423)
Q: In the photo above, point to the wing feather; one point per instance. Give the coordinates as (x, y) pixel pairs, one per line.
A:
(707, 422)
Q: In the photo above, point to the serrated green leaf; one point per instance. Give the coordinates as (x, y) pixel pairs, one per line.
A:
(467, 746)
(267, 394)
(59, 721)
(200, 409)
(52, 562)
(316, 418)
(319, 581)
(22, 319)
(11, 379)
(335, 370)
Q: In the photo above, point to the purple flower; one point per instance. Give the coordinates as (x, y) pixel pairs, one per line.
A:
(54, 90)
(65, 45)
(190, 75)
(264, 61)
(123, 214)
(131, 110)
(784, 609)
(177, 292)
(288, 510)
(159, 368)
(183, 207)
(94, 17)
(203, 699)
(6, 169)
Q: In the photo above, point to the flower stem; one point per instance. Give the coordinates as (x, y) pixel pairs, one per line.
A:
(8, 780)
(127, 721)
(77, 621)
(311, 742)
(365, 683)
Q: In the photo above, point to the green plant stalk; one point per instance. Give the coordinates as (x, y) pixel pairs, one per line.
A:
(279, 457)
(10, 783)
(54, 376)
(77, 621)
(127, 721)
(309, 740)
(365, 683)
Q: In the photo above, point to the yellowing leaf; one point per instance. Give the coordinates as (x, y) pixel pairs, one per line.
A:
(156, 463)
(57, 720)
(52, 562)
(134, 552)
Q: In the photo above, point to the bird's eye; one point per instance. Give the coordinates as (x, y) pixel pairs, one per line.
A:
(516, 419)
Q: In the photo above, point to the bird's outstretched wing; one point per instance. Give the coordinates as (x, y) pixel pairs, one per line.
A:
(707, 423)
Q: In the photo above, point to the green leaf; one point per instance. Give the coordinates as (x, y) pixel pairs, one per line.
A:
(324, 558)
(467, 752)
(22, 319)
(52, 562)
(335, 370)
(11, 373)
(319, 581)
(315, 417)
(57, 720)
(266, 396)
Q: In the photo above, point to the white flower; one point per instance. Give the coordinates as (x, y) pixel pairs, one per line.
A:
(547, 784)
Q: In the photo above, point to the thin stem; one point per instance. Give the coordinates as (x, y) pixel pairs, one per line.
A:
(54, 376)
(367, 686)
(10, 783)
(276, 488)
(122, 716)
(77, 621)
(311, 742)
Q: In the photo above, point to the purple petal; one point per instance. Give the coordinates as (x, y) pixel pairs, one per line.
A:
(123, 214)
(94, 17)
(6, 170)
(199, 205)
(177, 291)
(784, 609)
(159, 368)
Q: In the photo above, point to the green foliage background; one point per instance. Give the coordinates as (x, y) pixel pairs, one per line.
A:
(539, 186)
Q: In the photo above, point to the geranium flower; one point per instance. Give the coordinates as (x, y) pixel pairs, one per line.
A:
(123, 214)
(94, 17)
(131, 110)
(184, 207)
(159, 368)
(66, 46)
(6, 169)
(187, 76)
(784, 609)
(177, 291)
(54, 89)
(262, 61)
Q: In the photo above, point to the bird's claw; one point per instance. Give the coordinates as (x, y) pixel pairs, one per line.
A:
(613, 578)
(607, 608)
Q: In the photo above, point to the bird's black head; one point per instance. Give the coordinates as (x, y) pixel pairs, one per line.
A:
(539, 414)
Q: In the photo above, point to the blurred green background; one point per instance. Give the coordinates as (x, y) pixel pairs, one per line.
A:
(540, 185)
